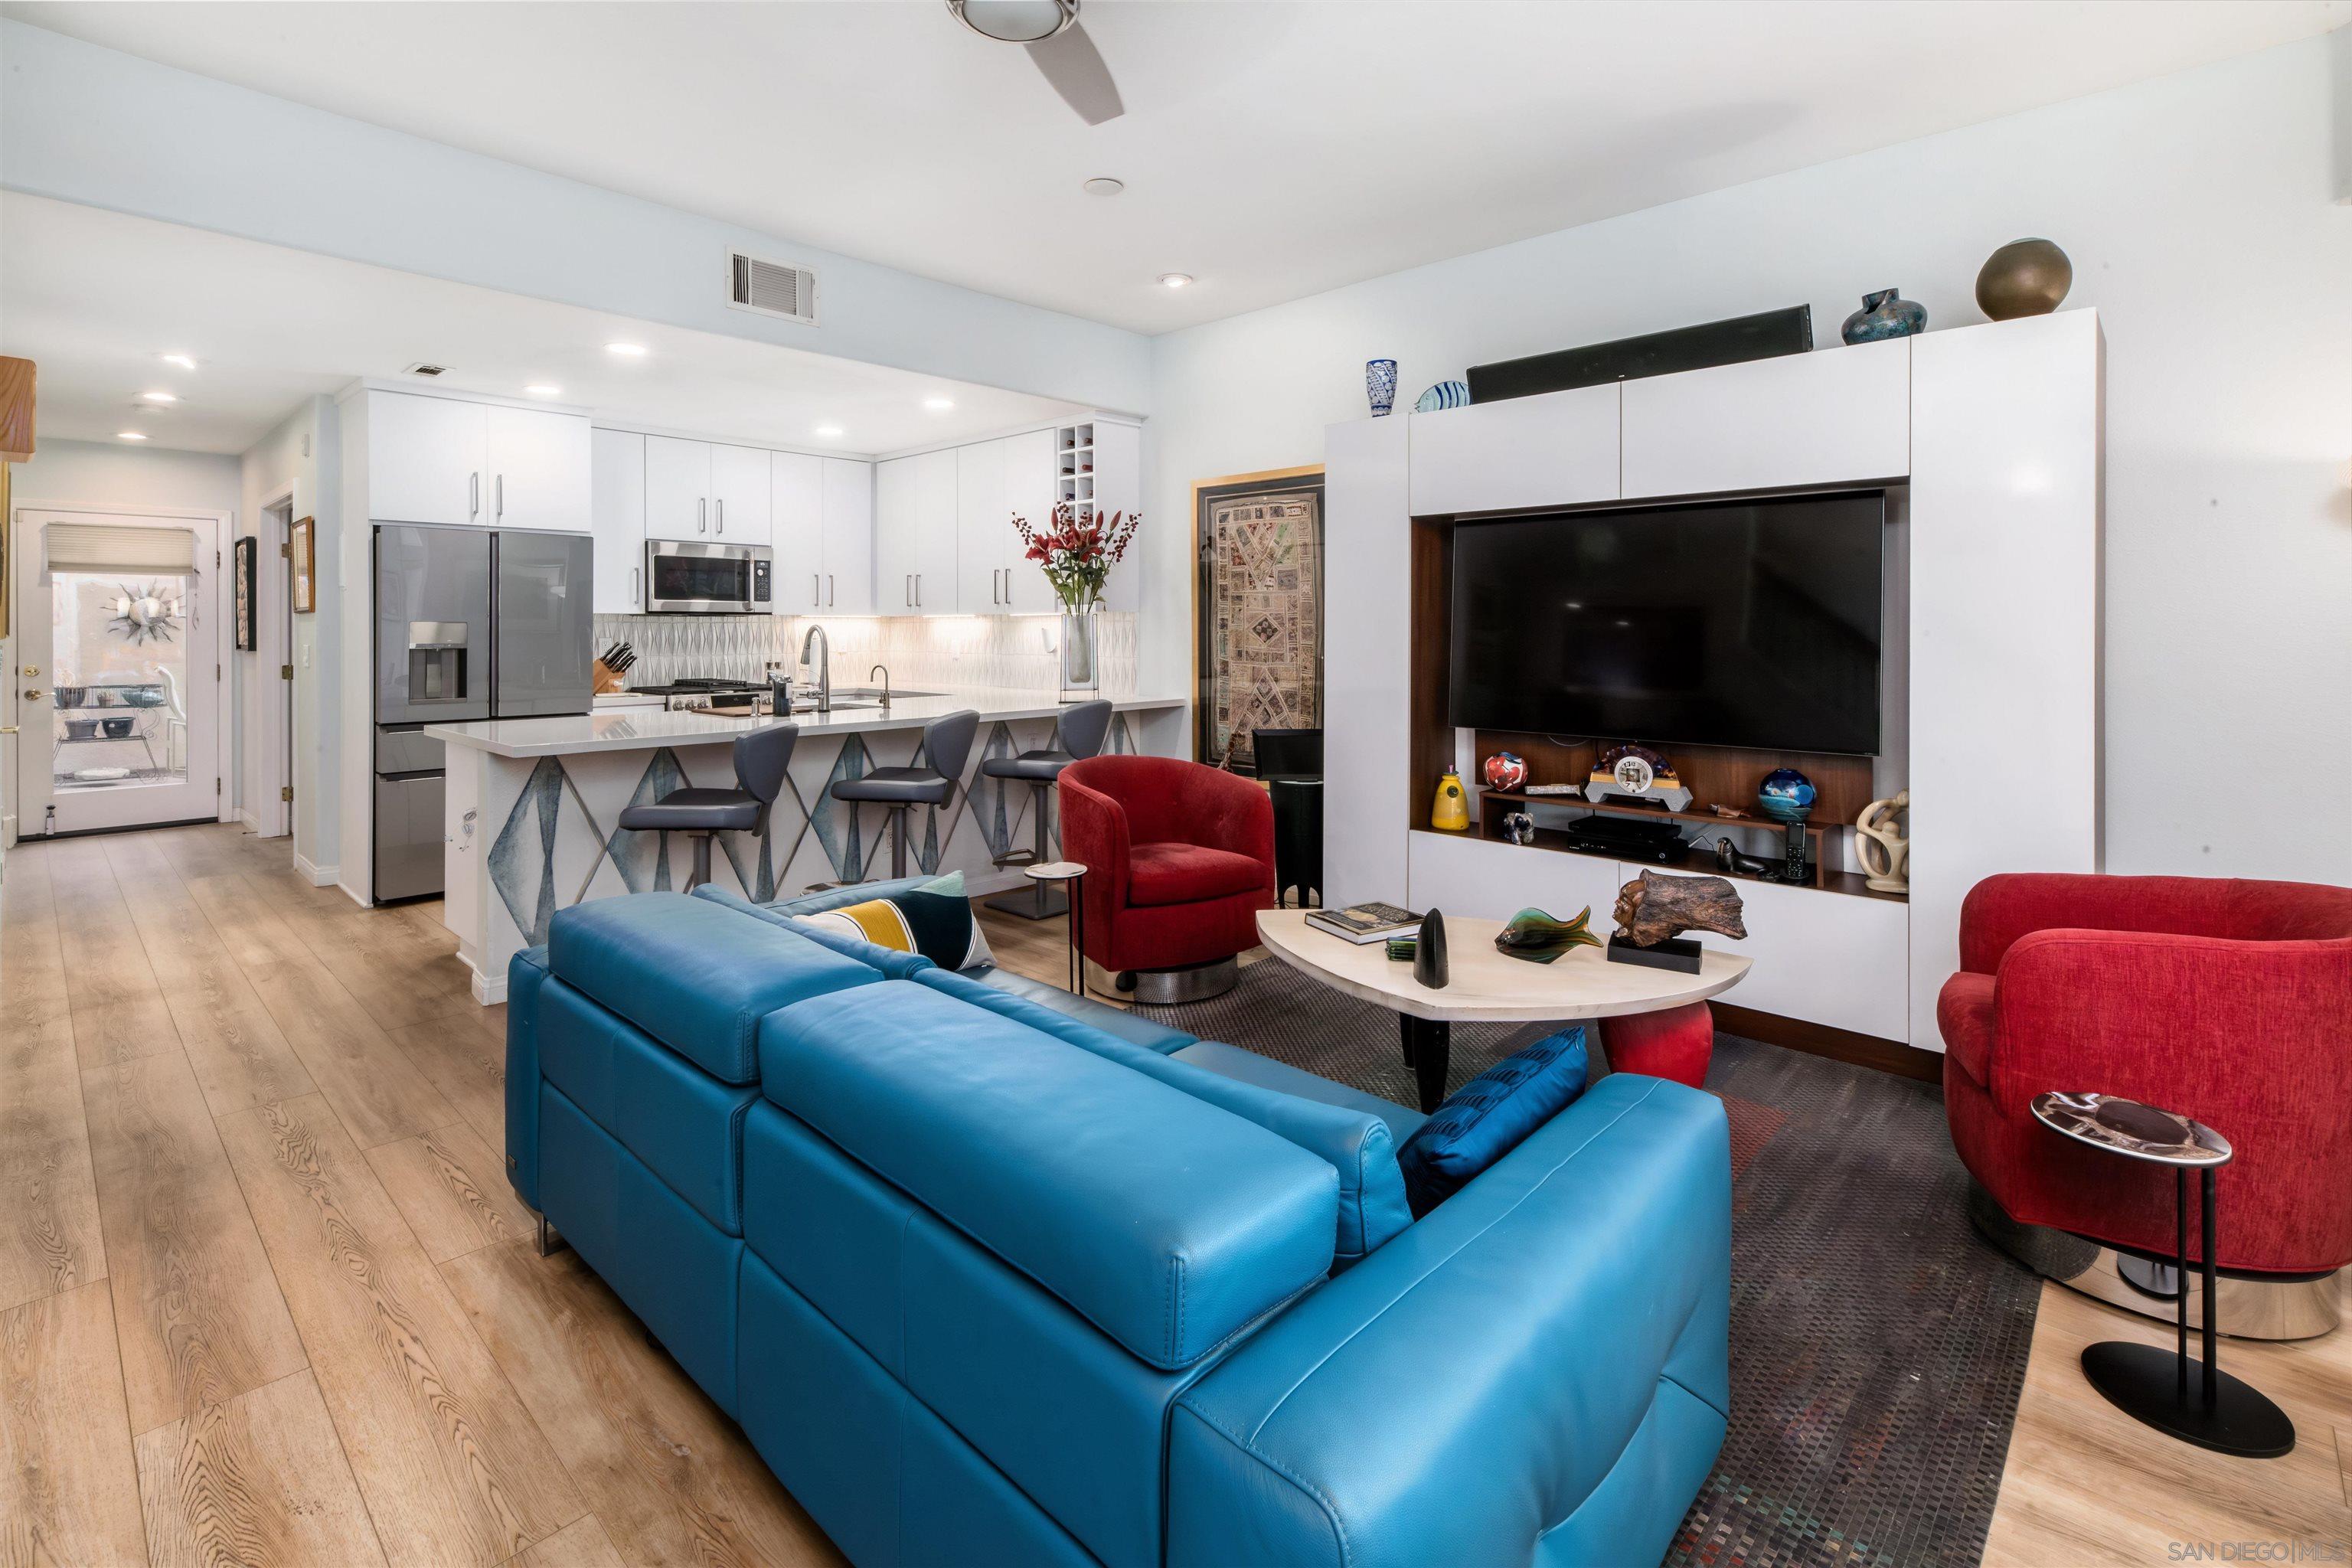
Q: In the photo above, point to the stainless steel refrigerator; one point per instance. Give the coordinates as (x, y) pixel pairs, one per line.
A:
(470, 623)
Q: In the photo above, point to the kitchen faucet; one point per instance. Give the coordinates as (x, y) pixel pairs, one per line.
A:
(823, 645)
(885, 683)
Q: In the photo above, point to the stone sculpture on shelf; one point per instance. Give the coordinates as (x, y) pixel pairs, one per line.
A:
(1653, 908)
(1884, 847)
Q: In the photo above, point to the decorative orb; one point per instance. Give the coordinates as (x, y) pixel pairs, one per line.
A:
(1506, 771)
(1785, 795)
(2024, 278)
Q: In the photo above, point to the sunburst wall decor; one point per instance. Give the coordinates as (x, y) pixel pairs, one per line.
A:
(145, 615)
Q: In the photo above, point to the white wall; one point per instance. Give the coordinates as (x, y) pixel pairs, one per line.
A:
(89, 125)
(2199, 212)
(293, 456)
(93, 473)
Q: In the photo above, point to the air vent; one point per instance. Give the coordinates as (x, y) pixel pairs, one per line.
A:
(772, 288)
(423, 368)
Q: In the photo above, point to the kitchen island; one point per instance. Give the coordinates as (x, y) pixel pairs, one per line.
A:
(531, 806)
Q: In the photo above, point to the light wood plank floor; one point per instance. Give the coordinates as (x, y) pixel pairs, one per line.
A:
(265, 1297)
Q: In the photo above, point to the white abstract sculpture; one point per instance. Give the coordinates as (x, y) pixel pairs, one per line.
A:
(1884, 848)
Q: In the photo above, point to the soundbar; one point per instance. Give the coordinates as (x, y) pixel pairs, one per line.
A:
(1761, 336)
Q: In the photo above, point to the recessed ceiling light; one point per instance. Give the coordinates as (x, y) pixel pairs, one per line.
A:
(543, 390)
(628, 350)
(828, 430)
(1174, 279)
(129, 436)
(158, 397)
(183, 361)
(939, 404)
(1103, 185)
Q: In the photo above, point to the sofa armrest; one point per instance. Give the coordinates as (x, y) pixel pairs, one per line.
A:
(2000, 910)
(1474, 1386)
(526, 973)
(1095, 834)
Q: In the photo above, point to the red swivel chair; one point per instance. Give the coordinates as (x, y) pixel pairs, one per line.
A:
(1180, 858)
(2230, 1002)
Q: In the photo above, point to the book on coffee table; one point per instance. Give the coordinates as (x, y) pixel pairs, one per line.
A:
(1362, 923)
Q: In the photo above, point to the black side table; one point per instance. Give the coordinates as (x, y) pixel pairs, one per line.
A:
(2225, 1414)
(1072, 872)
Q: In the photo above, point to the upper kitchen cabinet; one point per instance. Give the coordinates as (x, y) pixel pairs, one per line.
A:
(798, 481)
(538, 469)
(446, 461)
(1832, 417)
(618, 472)
(1029, 485)
(1556, 448)
(1110, 452)
(848, 536)
(678, 488)
(915, 525)
(982, 527)
(740, 504)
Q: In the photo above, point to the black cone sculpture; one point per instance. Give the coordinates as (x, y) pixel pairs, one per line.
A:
(1428, 951)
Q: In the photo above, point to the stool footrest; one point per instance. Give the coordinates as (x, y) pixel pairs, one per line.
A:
(1017, 858)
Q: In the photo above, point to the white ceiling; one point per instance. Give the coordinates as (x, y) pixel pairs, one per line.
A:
(1271, 149)
(96, 298)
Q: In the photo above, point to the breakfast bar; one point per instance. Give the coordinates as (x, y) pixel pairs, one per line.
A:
(531, 806)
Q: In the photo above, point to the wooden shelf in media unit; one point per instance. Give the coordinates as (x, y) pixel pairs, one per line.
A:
(1701, 862)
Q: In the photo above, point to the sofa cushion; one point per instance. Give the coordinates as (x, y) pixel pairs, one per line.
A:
(896, 966)
(1171, 1225)
(1965, 1015)
(1488, 1116)
(1248, 1067)
(996, 988)
(1172, 873)
(1354, 1142)
(849, 893)
(694, 974)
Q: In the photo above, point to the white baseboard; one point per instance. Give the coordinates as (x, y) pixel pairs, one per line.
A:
(319, 876)
(249, 820)
(488, 990)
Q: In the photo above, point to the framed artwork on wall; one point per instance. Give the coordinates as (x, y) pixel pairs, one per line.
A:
(1257, 610)
(247, 634)
(306, 566)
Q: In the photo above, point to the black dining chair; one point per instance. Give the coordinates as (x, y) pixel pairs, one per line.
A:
(946, 741)
(1079, 732)
(760, 757)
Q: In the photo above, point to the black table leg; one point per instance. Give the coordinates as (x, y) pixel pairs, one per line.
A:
(1078, 938)
(1428, 1050)
(1404, 1035)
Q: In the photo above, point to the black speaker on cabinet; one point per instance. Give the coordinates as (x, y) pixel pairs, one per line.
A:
(1761, 336)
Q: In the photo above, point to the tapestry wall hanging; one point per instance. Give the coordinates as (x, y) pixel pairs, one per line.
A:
(1258, 610)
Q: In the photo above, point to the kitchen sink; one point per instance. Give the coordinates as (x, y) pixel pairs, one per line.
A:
(872, 692)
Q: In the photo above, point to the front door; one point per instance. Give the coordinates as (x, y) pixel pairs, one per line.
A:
(119, 652)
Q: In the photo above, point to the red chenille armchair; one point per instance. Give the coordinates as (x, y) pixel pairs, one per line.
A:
(2230, 1002)
(1178, 857)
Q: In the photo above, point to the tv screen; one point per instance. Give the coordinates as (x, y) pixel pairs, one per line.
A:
(1750, 623)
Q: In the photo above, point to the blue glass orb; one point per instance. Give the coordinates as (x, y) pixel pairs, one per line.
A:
(1786, 795)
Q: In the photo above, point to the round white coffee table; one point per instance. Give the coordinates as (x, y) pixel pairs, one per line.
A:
(1485, 986)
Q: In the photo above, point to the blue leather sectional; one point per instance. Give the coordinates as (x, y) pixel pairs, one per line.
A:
(989, 1281)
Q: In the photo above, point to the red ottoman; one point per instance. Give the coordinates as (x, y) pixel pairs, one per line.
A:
(1678, 1043)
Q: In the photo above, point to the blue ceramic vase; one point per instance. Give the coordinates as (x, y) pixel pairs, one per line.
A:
(1885, 314)
(1379, 384)
(1786, 795)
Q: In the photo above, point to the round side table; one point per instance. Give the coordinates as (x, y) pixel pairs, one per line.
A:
(2224, 1414)
(1072, 873)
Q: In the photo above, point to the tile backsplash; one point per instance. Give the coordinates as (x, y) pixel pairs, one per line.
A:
(1018, 652)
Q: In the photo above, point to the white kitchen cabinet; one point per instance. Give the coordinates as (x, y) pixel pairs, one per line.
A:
(678, 488)
(537, 468)
(982, 525)
(1118, 488)
(798, 482)
(1028, 495)
(1556, 448)
(847, 533)
(425, 459)
(741, 507)
(1835, 416)
(914, 535)
(618, 510)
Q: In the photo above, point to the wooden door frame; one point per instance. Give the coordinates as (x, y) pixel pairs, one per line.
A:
(219, 604)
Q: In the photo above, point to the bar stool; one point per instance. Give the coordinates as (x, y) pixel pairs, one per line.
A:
(1078, 734)
(760, 757)
(947, 740)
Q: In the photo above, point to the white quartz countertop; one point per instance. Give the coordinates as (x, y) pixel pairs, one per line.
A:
(641, 729)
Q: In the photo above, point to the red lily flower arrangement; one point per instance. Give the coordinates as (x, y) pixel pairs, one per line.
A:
(1077, 553)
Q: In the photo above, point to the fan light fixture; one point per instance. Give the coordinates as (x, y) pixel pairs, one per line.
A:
(1015, 21)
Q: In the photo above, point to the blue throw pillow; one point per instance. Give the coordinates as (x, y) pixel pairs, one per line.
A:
(1490, 1116)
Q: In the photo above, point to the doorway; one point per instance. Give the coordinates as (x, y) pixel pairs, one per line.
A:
(121, 640)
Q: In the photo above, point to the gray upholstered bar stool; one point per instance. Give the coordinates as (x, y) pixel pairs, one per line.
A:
(946, 741)
(761, 758)
(1079, 733)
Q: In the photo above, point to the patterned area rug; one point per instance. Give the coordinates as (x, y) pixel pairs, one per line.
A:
(1877, 1344)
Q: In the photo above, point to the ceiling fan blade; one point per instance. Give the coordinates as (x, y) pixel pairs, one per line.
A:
(1071, 62)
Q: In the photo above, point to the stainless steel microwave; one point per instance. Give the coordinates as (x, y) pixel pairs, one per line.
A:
(707, 579)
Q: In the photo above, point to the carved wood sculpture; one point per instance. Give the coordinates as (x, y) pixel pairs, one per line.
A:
(1652, 907)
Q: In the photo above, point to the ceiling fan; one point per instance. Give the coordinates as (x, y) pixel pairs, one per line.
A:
(1058, 45)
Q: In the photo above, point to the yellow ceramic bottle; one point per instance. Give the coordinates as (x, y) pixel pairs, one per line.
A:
(1450, 813)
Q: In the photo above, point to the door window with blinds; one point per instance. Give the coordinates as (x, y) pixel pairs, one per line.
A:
(122, 603)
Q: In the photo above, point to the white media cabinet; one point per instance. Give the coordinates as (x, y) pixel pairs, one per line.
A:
(1988, 441)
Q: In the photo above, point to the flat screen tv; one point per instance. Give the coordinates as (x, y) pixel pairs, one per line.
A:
(1752, 623)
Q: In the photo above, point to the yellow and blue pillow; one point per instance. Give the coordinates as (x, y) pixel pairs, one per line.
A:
(933, 920)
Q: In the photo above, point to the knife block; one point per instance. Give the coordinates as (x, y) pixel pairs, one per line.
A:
(604, 682)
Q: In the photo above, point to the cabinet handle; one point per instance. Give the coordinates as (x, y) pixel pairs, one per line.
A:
(919, 590)
(815, 596)
(907, 590)
(702, 514)
(720, 505)
(473, 495)
(499, 489)
(635, 578)
(829, 600)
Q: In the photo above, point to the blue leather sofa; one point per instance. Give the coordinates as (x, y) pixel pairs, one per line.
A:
(989, 1280)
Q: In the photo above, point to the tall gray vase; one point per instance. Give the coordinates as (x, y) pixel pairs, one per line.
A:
(1428, 952)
